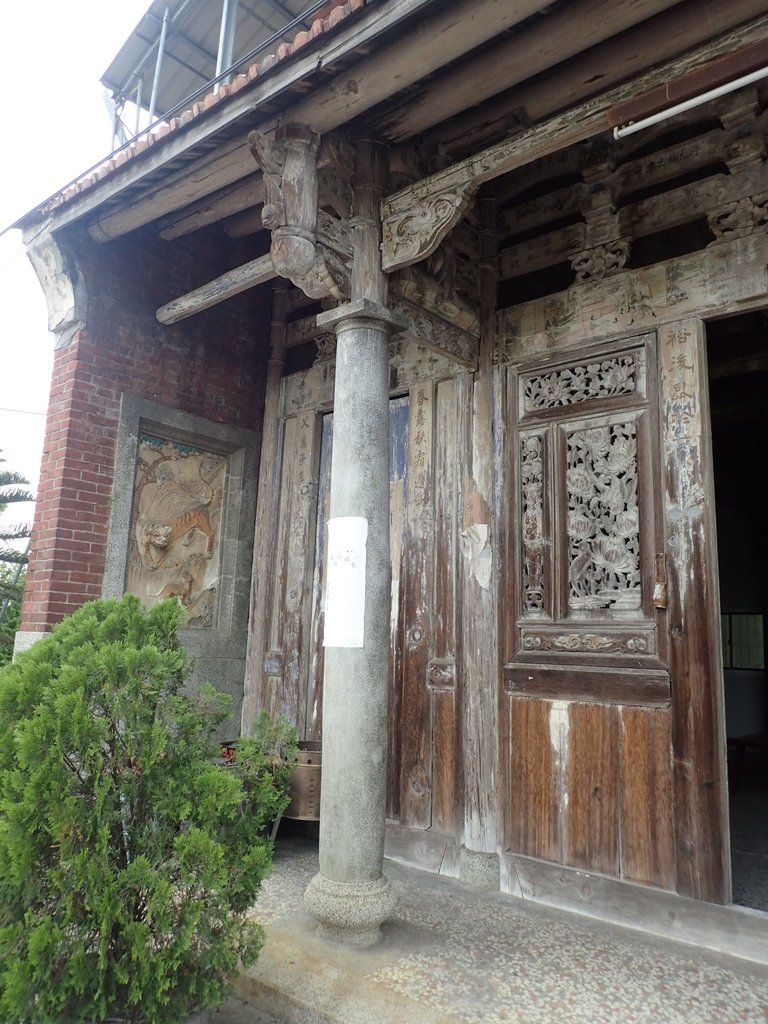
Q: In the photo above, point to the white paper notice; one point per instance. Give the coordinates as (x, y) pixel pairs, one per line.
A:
(345, 588)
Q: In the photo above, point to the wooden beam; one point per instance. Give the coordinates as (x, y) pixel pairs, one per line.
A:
(426, 329)
(417, 218)
(174, 192)
(683, 27)
(516, 58)
(243, 195)
(451, 31)
(243, 224)
(424, 291)
(232, 283)
(438, 335)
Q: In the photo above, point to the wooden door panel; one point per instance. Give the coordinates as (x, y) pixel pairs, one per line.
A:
(590, 792)
(536, 728)
(647, 826)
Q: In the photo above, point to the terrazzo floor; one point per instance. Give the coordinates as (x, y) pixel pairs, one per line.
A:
(455, 956)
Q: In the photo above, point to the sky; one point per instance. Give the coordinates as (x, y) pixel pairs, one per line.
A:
(54, 125)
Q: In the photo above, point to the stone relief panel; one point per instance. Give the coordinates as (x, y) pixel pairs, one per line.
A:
(175, 526)
(603, 520)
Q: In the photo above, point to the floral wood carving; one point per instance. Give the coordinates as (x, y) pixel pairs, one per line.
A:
(412, 234)
(601, 261)
(603, 518)
(592, 643)
(610, 378)
(532, 475)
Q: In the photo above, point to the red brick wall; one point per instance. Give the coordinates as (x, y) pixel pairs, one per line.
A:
(211, 365)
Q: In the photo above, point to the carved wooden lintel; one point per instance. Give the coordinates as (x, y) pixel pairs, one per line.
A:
(413, 229)
(422, 290)
(428, 330)
(289, 162)
(437, 334)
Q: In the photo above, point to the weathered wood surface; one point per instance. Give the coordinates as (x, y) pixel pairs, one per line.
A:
(417, 218)
(416, 740)
(286, 649)
(698, 730)
(444, 36)
(647, 815)
(399, 416)
(442, 671)
(720, 279)
(479, 576)
(590, 795)
(539, 740)
(246, 193)
(256, 695)
(604, 66)
(233, 282)
(312, 685)
(422, 290)
(535, 48)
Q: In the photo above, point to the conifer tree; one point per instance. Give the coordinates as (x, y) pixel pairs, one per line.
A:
(12, 558)
(129, 856)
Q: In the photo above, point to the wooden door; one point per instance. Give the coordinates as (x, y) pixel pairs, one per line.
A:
(588, 725)
(424, 746)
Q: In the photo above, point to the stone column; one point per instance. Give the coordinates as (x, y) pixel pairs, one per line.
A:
(350, 896)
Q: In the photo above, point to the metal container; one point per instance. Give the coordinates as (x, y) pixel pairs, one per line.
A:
(305, 784)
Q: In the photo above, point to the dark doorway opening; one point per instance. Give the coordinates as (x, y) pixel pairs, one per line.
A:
(738, 382)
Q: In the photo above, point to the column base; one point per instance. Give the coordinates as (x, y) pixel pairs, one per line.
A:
(350, 913)
(479, 870)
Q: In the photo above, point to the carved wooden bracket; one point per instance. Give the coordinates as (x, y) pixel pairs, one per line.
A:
(740, 218)
(601, 261)
(289, 160)
(412, 230)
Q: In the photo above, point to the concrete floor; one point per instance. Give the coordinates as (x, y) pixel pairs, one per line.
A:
(454, 956)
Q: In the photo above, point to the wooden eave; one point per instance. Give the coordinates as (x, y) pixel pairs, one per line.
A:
(336, 85)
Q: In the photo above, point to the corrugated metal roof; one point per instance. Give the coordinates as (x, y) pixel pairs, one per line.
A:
(192, 43)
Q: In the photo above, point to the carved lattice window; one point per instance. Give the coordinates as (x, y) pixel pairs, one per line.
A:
(584, 529)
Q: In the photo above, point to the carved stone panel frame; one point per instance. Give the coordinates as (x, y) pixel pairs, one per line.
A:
(585, 528)
(204, 476)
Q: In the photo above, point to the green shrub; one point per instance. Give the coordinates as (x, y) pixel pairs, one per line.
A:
(128, 856)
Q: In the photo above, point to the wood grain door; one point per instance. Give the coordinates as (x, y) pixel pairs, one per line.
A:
(423, 736)
(588, 695)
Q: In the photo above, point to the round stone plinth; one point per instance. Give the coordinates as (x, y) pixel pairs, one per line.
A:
(350, 912)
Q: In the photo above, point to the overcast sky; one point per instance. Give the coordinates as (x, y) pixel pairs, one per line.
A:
(53, 126)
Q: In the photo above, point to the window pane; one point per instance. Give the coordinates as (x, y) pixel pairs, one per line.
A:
(747, 641)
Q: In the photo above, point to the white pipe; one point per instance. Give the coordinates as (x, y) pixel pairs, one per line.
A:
(696, 101)
(226, 39)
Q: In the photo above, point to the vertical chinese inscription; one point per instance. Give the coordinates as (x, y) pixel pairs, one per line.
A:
(603, 518)
(420, 453)
(532, 481)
